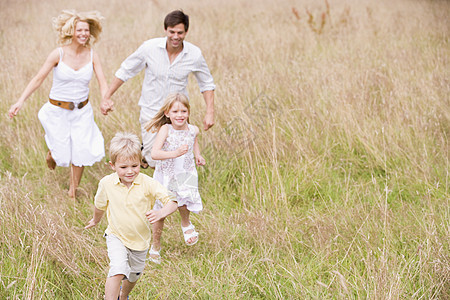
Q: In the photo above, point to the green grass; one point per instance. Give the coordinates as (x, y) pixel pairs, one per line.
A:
(327, 169)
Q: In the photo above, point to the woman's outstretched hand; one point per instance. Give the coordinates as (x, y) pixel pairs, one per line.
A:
(14, 109)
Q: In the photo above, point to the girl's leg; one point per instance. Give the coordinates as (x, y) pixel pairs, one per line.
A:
(75, 178)
(157, 229)
(112, 287)
(184, 213)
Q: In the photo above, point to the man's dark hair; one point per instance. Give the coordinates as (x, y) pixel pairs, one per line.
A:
(176, 17)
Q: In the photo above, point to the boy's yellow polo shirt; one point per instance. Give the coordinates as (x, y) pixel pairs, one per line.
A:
(125, 208)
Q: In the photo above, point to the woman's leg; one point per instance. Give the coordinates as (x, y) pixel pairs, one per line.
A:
(75, 178)
(51, 163)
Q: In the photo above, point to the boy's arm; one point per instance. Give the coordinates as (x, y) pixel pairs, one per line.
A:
(98, 214)
(156, 215)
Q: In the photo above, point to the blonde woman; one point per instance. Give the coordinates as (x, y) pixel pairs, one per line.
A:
(72, 137)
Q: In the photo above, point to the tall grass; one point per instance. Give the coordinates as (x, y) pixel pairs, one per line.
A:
(327, 169)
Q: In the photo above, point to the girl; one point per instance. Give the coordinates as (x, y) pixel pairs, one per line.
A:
(71, 134)
(174, 150)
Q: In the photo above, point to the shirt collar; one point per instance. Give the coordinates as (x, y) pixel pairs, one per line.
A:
(137, 180)
(163, 43)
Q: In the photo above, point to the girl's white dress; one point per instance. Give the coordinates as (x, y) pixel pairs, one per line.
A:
(71, 135)
(179, 175)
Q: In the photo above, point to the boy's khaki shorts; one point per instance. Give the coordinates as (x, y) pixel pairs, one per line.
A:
(122, 260)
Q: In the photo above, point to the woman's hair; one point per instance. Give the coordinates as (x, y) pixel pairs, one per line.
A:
(160, 118)
(66, 23)
(126, 146)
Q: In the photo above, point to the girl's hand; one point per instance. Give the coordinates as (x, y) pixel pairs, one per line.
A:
(14, 109)
(182, 150)
(200, 160)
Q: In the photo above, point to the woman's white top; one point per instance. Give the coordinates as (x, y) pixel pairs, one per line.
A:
(71, 85)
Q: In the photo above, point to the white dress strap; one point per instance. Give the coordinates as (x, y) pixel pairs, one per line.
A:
(61, 53)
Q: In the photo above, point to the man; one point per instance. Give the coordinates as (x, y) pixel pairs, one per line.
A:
(167, 61)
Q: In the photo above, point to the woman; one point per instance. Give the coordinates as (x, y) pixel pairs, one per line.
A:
(71, 134)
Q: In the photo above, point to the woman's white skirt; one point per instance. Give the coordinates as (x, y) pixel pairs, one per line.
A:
(72, 135)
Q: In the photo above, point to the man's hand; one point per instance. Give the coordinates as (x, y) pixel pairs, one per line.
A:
(208, 122)
(106, 106)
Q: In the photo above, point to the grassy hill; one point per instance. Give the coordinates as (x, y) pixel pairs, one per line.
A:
(327, 171)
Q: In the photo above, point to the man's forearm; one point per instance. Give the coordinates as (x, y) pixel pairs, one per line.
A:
(209, 101)
(208, 121)
(113, 87)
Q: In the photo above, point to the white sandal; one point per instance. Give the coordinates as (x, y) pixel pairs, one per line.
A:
(187, 236)
(156, 260)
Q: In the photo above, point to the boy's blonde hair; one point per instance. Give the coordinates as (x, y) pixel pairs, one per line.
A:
(126, 146)
(160, 118)
(66, 22)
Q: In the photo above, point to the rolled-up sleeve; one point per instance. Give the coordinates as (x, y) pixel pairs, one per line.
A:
(132, 65)
(203, 75)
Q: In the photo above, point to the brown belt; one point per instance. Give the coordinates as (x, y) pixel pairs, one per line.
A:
(68, 105)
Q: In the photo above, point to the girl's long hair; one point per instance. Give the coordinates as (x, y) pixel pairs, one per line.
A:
(160, 118)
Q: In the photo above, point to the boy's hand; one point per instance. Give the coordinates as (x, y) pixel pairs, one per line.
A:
(153, 216)
(91, 223)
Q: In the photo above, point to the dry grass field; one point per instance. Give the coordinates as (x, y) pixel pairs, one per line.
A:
(327, 171)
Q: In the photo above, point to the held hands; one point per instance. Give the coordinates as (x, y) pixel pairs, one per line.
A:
(182, 150)
(106, 106)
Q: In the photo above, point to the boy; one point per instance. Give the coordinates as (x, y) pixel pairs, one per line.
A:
(125, 195)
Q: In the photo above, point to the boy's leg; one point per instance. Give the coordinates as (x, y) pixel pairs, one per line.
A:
(127, 286)
(119, 267)
(112, 287)
(137, 265)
